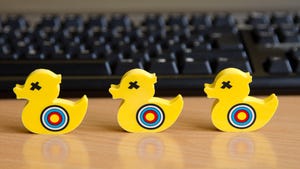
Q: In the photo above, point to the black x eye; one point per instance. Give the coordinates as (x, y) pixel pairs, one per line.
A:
(35, 86)
(133, 85)
(226, 85)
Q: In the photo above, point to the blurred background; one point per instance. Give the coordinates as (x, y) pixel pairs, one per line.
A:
(46, 6)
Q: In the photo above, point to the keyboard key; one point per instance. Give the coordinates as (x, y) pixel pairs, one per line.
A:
(181, 34)
(113, 58)
(216, 30)
(180, 20)
(74, 21)
(257, 18)
(133, 35)
(282, 18)
(278, 65)
(228, 42)
(297, 18)
(5, 49)
(6, 53)
(225, 62)
(234, 54)
(48, 48)
(156, 35)
(127, 50)
(288, 34)
(34, 55)
(177, 48)
(59, 54)
(201, 20)
(102, 50)
(72, 68)
(194, 41)
(221, 20)
(202, 47)
(265, 35)
(49, 22)
(139, 56)
(97, 21)
(167, 56)
(154, 50)
(86, 54)
(196, 67)
(162, 66)
(156, 21)
(122, 21)
(294, 58)
(123, 65)
(141, 44)
(16, 22)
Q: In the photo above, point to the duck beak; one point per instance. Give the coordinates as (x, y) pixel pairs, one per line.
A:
(209, 90)
(58, 77)
(114, 90)
(154, 78)
(249, 77)
(18, 90)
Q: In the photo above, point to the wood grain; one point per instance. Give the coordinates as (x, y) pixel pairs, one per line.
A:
(192, 142)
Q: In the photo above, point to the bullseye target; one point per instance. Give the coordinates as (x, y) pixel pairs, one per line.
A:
(54, 118)
(150, 116)
(241, 116)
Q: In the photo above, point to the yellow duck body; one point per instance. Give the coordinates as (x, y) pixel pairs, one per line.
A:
(44, 113)
(234, 110)
(140, 111)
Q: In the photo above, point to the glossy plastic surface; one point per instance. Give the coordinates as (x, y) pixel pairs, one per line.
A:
(234, 110)
(140, 111)
(44, 113)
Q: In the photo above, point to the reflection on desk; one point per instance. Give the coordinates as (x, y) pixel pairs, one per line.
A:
(44, 151)
(241, 149)
(149, 151)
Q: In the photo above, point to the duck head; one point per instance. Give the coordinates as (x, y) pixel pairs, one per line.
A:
(230, 83)
(136, 84)
(40, 85)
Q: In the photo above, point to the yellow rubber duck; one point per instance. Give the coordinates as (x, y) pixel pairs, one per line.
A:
(44, 113)
(140, 111)
(234, 110)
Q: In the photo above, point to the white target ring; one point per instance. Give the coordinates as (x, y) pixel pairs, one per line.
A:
(150, 116)
(241, 116)
(54, 118)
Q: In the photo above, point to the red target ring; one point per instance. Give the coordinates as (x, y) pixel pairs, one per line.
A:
(54, 115)
(152, 114)
(244, 118)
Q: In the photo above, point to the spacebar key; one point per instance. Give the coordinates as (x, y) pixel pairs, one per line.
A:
(70, 68)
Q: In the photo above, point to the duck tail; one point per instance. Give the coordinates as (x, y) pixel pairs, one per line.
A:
(82, 103)
(271, 99)
(271, 102)
(178, 100)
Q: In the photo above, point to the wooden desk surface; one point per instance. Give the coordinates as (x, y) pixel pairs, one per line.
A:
(192, 142)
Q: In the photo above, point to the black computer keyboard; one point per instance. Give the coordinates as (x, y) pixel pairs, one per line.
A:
(92, 51)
